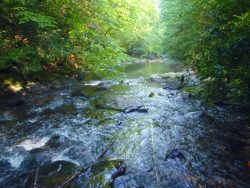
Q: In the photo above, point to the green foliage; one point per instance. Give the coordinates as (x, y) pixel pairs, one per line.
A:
(215, 37)
(26, 16)
(67, 35)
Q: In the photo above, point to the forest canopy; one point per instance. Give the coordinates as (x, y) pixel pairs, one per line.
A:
(214, 36)
(91, 35)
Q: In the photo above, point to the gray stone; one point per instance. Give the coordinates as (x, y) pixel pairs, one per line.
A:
(173, 85)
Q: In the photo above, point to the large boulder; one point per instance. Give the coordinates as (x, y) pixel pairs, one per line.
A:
(161, 78)
(173, 85)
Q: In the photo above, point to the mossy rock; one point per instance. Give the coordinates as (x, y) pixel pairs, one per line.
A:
(152, 94)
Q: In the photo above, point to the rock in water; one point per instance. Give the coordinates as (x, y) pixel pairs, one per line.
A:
(135, 81)
(56, 141)
(55, 173)
(125, 181)
(140, 109)
(152, 94)
(156, 78)
(173, 85)
(160, 78)
(171, 75)
(175, 153)
(78, 93)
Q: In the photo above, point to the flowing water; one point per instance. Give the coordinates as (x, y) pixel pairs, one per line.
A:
(162, 137)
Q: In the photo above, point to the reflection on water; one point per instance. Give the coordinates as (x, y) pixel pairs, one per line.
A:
(173, 144)
(147, 69)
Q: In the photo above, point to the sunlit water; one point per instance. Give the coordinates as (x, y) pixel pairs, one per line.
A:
(174, 144)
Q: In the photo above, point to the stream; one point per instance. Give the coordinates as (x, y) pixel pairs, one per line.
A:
(163, 138)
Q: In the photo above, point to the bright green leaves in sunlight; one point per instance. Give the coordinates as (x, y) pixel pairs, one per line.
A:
(67, 35)
(26, 16)
(215, 37)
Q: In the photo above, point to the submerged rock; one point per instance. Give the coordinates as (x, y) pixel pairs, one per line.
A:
(135, 81)
(156, 78)
(124, 182)
(105, 172)
(4, 164)
(34, 161)
(175, 153)
(55, 173)
(79, 93)
(140, 109)
(57, 140)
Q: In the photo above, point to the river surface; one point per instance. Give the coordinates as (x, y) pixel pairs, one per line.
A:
(163, 138)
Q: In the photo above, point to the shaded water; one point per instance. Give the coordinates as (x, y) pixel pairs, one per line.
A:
(173, 144)
(147, 69)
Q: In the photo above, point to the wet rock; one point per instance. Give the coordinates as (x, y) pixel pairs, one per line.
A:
(55, 173)
(4, 164)
(124, 182)
(107, 165)
(182, 78)
(18, 178)
(140, 109)
(121, 170)
(105, 172)
(108, 83)
(29, 163)
(161, 78)
(47, 144)
(32, 162)
(175, 153)
(152, 94)
(31, 144)
(190, 95)
(156, 78)
(93, 83)
(189, 78)
(173, 85)
(76, 153)
(119, 123)
(80, 76)
(192, 80)
(79, 93)
(135, 81)
(11, 100)
(57, 140)
(16, 103)
(171, 75)
(203, 142)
